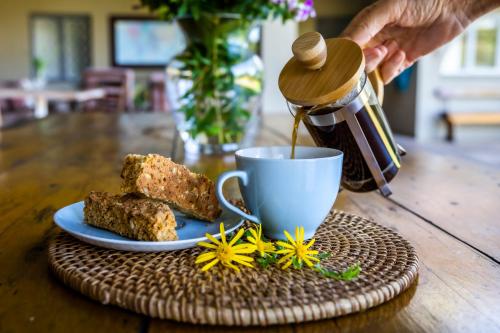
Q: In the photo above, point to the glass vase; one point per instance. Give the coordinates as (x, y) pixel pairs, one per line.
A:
(215, 84)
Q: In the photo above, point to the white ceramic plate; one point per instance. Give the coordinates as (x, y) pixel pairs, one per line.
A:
(71, 220)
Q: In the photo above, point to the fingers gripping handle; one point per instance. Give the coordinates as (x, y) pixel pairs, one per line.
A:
(220, 183)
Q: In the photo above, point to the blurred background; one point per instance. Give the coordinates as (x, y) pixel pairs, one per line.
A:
(110, 55)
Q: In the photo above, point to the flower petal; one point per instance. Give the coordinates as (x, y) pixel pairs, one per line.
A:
(285, 258)
(209, 265)
(243, 258)
(283, 251)
(248, 249)
(228, 264)
(243, 262)
(213, 239)
(251, 239)
(205, 257)
(308, 262)
(243, 246)
(311, 242)
(222, 233)
(289, 237)
(254, 233)
(285, 266)
(297, 235)
(312, 252)
(312, 258)
(209, 245)
(269, 247)
(236, 237)
(301, 234)
(285, 244)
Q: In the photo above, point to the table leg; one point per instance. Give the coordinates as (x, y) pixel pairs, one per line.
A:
(41, 107)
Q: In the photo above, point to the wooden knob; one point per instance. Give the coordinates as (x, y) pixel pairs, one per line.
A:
(310, 50)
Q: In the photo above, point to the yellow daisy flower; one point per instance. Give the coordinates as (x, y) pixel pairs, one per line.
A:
(260, 245)
(224, 252)
(296, 248)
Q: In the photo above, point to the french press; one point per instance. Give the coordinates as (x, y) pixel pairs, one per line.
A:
(325, 81)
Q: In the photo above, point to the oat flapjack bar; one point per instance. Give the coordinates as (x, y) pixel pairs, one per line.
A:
(157, 177)
(137, 218)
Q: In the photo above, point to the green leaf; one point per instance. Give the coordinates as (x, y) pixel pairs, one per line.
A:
(297, 263)
(351, 272)
(247, 234)
(212, 129)
(324, 255)
(262, 262)
(266, 260)
(348, 274)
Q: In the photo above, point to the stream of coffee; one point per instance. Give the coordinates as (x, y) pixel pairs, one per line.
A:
(297, 119)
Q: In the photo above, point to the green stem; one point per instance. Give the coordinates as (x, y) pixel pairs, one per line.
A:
(215, 66)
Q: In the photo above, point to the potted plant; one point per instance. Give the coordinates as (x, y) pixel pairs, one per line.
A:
(215, 84)
(39, 70)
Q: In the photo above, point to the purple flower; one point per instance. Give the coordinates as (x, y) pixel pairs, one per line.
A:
(292, 4)
(303, 10)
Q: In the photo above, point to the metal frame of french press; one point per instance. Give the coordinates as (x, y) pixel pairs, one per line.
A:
(348, 114)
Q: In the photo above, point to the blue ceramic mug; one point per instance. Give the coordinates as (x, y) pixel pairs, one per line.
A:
(283, 193)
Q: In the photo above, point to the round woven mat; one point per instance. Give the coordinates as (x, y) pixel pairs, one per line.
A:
(169, 285)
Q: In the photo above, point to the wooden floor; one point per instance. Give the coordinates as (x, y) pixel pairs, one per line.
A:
(446, 205)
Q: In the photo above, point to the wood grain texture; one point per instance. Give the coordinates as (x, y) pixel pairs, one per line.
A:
(458, 195)
(50, 163)
(343, 67)
(310, 50)
(57, 162)
(473, 118)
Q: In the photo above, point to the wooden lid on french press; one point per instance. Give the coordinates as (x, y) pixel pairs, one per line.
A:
(321, 71)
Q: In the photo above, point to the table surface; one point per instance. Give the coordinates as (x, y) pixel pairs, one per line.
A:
(446, 206)
(54, 93)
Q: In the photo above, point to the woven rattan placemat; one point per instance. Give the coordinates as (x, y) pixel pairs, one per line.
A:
(169, 285)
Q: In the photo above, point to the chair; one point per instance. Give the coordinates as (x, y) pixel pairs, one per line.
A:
(157, 93)
(14, 110)
(119, 84)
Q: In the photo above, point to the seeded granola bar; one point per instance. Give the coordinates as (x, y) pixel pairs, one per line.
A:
(132, 217)
(157, 177)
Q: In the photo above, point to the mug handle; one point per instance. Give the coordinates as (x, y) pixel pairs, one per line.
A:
(220, 183)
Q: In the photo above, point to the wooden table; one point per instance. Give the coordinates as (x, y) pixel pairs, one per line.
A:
(448, 207)
(43, 96)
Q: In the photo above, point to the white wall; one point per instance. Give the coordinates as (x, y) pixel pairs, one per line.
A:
(277, 42)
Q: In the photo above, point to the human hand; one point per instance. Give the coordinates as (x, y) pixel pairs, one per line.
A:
(396, 33)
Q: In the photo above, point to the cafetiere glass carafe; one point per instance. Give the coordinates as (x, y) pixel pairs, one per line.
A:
(340, 109)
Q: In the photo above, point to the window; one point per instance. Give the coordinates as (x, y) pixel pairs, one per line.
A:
(477, 51)
(61, 43)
